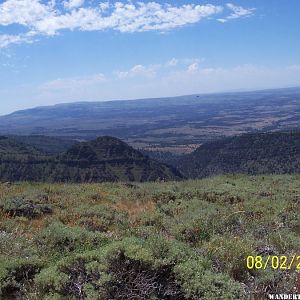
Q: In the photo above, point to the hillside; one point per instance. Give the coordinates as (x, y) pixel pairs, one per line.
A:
(268, 153)
(177, 124)
(103, 159)
(170, 241)
(46, 144)
(10, 147)
(109, 159)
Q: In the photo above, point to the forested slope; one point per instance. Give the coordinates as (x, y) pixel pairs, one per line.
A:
(104, 159)
(269, 153)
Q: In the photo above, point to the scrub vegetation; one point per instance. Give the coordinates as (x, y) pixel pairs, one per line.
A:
(164, 240)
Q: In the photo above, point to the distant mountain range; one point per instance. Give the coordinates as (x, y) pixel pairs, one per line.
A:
(178, 124)
(100, 160)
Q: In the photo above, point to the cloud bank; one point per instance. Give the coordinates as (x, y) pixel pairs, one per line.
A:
(189, 76)
(37, 18)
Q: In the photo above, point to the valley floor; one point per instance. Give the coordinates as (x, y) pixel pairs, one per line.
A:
(169, 240)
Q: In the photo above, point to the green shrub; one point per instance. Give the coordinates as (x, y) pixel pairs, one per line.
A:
(173, 208)
(15, 245)
(270, 281)
(164, 197)
(198, 230)
(154, 219)
(134, 269)
(285, 240)
(198, 282)
(230, 253)
(20, 206)
(60, 239)
(77, 277)
(16, 275)
(167, 251)
(101, 217)
(122, 270)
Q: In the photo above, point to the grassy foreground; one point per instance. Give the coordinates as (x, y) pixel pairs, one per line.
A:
(183, 240)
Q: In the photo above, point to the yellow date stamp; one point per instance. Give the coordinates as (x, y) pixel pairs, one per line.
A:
(275, 262)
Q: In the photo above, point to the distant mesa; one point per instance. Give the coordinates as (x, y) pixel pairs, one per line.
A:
(169, 124)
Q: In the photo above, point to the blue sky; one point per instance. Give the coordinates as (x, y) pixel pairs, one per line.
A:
(88, 50)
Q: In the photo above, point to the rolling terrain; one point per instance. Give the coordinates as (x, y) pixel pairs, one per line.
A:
(103, 159)
(253, 154)
(178, 124)
(47, 144)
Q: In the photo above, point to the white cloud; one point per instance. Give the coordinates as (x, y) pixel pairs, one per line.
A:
(208, 79)
(70, 83)
(48, 18)
(24, 12)
(172, 63)
(189, 61)
(7, 39)
(166, 82)
(193, 67)
(237, 12)
(104, 6)
(138, 70)
(150, 71)
(70, 4)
